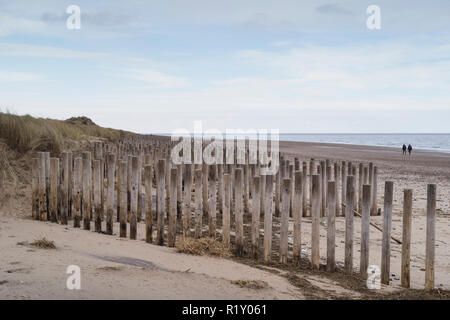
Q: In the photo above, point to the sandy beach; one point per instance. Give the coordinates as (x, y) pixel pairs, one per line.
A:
(115, 268)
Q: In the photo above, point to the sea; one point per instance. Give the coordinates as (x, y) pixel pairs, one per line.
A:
(439, 142)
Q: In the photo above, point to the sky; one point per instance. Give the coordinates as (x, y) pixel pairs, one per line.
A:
(292, 65)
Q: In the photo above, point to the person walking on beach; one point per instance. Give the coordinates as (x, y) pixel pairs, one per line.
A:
(404, 148)
(409, 149)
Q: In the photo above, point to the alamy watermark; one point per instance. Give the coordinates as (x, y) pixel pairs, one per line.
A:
(211, 146)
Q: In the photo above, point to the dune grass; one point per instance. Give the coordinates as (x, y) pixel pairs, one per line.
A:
(24, 133)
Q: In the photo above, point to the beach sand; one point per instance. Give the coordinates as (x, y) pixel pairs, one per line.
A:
(114, 268)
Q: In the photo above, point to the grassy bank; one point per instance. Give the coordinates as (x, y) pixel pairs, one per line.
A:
(25, 133)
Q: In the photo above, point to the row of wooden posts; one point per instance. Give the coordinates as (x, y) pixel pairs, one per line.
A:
(74, 188)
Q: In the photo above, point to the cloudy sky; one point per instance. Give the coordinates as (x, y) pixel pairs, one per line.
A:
(293, 65)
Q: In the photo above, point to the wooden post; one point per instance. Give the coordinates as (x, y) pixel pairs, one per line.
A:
(304, 188)
(70, 184)
(406, 237)
(431, 234)
(54, 174)
(220, 186)
(262, 193)
(360, 186)
(331, 231)
(111, 166)
(323, 185)
(98, 212)
(187, 173)
(198, 203)
(77, 191)
(285, 205)
(87, 190)
(315, 222)
(35, 188)
(179, 189)
(297, 214)
(212, 201)
(134, 198)
(349, 206)
(64, 187)
(123, 172)
(239, 212)
(171, 235)
(256, 205)
(268, 218)
(47, 182)
(373, 207)
(343, 187)
(278, 192)
(129, 174)
(386, 240)
(365, 232)
(42, 188)
(148, 203)
(248, 179)
(205, 172)
(226, 206)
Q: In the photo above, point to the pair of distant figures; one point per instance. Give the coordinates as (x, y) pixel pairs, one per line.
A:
(404, 148)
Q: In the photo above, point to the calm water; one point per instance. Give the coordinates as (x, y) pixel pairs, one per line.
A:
(430, 141)
(435, 142)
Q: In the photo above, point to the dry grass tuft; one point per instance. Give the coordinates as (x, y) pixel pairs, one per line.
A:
(204, 246)
(24, 133)
(43, 243)
(251, 284)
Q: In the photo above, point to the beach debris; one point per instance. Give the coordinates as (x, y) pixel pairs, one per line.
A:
(204, 246)
(43, 243)
(251, 284)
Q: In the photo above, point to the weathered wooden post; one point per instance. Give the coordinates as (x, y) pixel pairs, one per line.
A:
(205, 173)
(285, 205)
(406, 237)
(160, 201)
(297, 215)
(349, 206)
(248, 180)
(98, 210)
(171, 234)
(54, 174)
(331, 231)
(315, 222)
(343, 187)
(64, 187)
(373, 207)
(179, 189)
(431, 237)
(198, 181)
(239, 214)
(123, 172)
(87, 178)
(268, 218)
(220, 186)
(77, 190)
(129, 181)
(226, 208)
(35, 188)
(42, 188)
(111, 166)
(134, 197)
(47, 182)
(187, 177)
(360, 185)
(323, 184)
(212, 216)
(386, 240)
(365, 232)
(70, 186)
(148, 203)
(256, 205)
(304, 188)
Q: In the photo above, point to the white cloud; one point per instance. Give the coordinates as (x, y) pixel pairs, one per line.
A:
(12, 25)
(25, 50)
(152, 78)
(17, 76)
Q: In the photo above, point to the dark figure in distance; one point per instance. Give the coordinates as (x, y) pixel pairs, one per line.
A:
(404, 148)
(409, 149)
